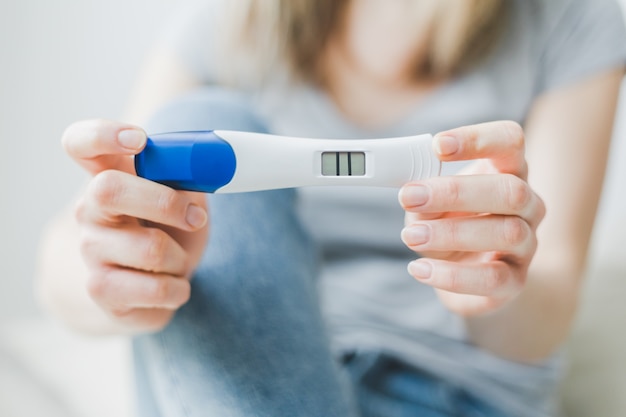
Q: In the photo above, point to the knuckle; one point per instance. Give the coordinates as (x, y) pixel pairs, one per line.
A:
(158, 320)
(515, 230)
(67, 139)
(515, 134)
(448, 191)
(158, 293)
(167, 202)
(120, 313)
(98, 285)
(106, 188)
(517, 193)
(472, 137)
(519, 281)
(183, 294)
(186, 294)
(453, 281)
(495, 280)
(534, 243)
(156, 249)
(452, 232)
(86, 245)
(79, 211)
(541, 209)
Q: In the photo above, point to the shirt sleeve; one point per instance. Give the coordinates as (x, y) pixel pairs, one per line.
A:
(584, 37)
(192, 36)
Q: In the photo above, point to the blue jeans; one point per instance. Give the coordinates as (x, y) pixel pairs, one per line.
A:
(252, 340)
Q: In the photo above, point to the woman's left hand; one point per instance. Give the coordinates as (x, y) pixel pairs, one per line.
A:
(475, 231)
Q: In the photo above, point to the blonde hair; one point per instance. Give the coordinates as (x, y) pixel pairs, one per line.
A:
(462, 38)
(267, 32)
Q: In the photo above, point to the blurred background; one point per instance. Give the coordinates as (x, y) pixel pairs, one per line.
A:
(60, 61)
(67, 60)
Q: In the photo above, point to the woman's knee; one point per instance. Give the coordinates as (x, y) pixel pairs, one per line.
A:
(207, 108)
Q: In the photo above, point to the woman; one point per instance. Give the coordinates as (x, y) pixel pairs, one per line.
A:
(300, 305)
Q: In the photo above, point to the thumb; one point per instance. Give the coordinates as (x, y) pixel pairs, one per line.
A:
(99, 145)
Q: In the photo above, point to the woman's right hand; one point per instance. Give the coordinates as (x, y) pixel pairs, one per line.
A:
(140, 240)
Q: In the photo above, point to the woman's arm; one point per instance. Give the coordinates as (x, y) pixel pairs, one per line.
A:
(162, 77)
(488, 250)
(568, 134)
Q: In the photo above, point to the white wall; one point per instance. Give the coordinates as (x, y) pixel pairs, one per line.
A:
(609, 243)
(65, 60)
(60, 61)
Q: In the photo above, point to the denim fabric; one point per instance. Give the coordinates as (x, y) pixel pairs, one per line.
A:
(385, 386)
(252, 340)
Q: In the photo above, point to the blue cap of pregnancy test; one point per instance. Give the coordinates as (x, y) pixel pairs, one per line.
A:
(194, 161)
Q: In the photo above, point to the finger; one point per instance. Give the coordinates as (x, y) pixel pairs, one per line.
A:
(495, 279)
(98, 145)
(507, 234)
(112, 195)
(121, 290)
(142, 320)
(501, 142)
(498, 194)
(136, 247)
(466, 305)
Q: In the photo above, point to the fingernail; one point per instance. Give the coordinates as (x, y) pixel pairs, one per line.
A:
(131, 139)
(196, 216)
(414, 195)
(446, 145)
(420, 269)
(416, 235)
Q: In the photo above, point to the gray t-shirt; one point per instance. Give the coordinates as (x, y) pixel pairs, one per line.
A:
(368, 298)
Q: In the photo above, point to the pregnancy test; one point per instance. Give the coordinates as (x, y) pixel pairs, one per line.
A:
(224, 161)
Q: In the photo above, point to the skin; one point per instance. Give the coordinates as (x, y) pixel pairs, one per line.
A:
(482, 256)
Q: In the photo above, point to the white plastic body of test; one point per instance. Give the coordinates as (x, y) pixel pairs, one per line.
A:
(271, 162)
